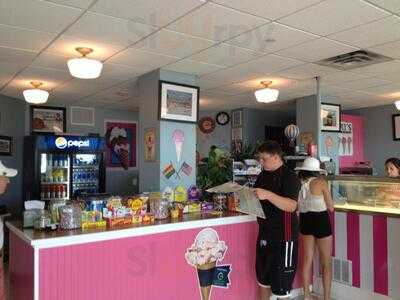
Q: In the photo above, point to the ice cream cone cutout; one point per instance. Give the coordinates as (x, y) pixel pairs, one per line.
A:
(204, 254)
(179, 137)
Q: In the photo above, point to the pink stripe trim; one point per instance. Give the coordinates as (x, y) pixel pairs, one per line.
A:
(353, 245)
(380, 255)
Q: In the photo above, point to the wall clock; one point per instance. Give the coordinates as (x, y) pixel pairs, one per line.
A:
(222, 118)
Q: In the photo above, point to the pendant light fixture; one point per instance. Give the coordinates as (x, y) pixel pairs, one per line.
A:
(36, 95)
(397, 104)
(266, 95)
(84, 68)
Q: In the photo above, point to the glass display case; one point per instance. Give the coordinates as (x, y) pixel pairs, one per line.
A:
(366, 193)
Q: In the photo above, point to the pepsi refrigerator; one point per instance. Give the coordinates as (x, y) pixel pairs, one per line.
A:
(62, 167)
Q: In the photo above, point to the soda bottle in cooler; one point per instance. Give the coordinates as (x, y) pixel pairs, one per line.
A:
(64, 191)
(42, 192)
(48, 191)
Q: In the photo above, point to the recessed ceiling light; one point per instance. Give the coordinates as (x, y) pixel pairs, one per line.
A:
(266, 95)
(397, 104)
(36, 95)
(84, 68)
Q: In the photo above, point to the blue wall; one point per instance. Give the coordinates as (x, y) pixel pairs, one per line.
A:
(12, 123)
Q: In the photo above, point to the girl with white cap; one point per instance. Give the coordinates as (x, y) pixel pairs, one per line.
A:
(5, 174)
(315, 227)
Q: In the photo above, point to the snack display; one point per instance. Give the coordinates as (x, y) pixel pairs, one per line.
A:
(92, 219)
(148, 218)
(220, 202)
(70, 216)
(194, 207)
(160, 208)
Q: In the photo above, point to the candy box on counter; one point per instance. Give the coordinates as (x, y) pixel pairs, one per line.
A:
(92, 219)
(148, 218)
(194, 207)
(116, 222)
(207, 206)
(137, 219)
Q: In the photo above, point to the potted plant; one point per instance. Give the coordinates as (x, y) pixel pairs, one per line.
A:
(214, 170)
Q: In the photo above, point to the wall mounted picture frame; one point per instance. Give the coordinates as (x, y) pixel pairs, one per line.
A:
(396, 127)
(121, 141)
(6, 145)
(48, 120)
(178, 102)
(237, 118)
(150, 145)
(330, 117)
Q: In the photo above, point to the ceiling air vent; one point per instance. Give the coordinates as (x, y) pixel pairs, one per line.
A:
(353, 60)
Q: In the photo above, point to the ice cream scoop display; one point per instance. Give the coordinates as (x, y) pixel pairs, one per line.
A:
(204, 254)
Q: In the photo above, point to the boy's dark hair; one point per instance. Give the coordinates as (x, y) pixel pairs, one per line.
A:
(270, 147)
(304, 175)
(394, 161)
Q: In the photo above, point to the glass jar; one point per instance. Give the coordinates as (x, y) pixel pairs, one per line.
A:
(220, 202)
(160, 208)
(70, 216)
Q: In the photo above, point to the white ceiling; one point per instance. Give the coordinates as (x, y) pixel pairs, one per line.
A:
(231, 45)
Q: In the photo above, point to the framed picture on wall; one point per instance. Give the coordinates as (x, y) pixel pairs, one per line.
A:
(121, 141)
(330, 117)
(6, 145)
(48, 120)
(396, 127)
(178, 102)
(237, 118)
(150, 145)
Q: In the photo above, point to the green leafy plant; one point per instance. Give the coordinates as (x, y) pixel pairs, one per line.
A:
(245, 151)
(215, 169)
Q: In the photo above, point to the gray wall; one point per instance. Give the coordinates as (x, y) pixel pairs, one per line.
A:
(378, 135)
(221, 137)
(12, 123)
(307, 115)
(255, 120)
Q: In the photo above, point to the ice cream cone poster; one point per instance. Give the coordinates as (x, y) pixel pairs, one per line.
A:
(150, 145)
(178, 136)
(204, 255)
(121, 141)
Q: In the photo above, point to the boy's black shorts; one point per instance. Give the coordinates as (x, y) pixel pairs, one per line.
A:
(276, 264)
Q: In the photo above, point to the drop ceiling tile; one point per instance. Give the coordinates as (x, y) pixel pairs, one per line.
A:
(16, 56)
(380, 69)
(154, 12)
(364, 83)
(391, 5)
(333, 16)
(80, 88)
(374, 33)
(316, 50)
(100, 28)
(216, 22)
(119, 92)
(12, 92)
(306, 71)
(65, 45)
(389, 49)
(50, 78)
(119, 71)
(342, 77)
(225, 55)
(8, 69)
(143, 61)
(254, 69)
(51, 61)
(205, 83)
(271, 9)
(74, 3)
(192, 67)
(173, 43)
(37, 15)
(271, 37)
(14, 37)
(384, 90)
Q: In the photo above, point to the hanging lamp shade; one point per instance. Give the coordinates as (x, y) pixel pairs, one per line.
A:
(83, 67)
(397, 104)
(266, 95)
(36, 95)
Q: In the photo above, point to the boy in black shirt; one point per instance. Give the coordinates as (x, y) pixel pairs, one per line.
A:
(277, 187)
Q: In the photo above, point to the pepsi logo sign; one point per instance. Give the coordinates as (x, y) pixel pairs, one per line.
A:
(62, 143)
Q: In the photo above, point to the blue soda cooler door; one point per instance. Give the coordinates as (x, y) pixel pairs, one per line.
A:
(54, 176)
(85, 174)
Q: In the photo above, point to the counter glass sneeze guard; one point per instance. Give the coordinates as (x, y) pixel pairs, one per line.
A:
(366, 194)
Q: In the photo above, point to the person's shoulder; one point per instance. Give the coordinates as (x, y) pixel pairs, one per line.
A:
(288, 172)
(319, 181)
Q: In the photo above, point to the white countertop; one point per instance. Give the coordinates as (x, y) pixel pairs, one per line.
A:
(41, 239)
(368, 209)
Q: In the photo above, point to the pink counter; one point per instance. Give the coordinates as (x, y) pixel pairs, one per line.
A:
(132, 263)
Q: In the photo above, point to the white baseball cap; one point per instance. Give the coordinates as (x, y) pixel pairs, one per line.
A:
(7, 172)
(311, 164)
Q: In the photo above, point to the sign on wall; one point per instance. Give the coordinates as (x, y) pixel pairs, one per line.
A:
(345, 139)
